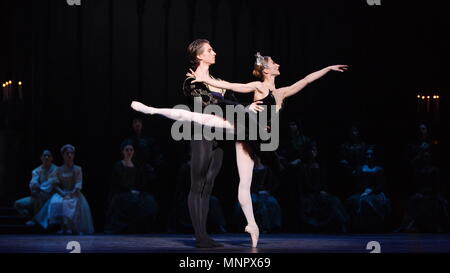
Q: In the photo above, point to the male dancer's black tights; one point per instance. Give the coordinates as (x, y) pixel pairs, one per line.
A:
(206, 161)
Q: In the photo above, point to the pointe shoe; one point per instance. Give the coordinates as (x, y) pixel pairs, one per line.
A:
(254, 234)
(140, 107)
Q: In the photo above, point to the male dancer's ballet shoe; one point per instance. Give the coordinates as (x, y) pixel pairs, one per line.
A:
(207, 243)
(204, 244)
(143, 108)
(214, 243)
(254, 234)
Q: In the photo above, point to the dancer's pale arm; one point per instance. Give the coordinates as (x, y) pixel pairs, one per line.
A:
(296, 87)
(237, 87)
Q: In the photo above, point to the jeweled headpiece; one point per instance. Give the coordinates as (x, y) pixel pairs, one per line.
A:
(260, 60)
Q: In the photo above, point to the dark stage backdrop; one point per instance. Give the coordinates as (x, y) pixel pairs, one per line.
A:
(82, 65)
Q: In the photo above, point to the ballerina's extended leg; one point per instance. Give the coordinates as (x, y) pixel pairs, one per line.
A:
(184, 115)
(245, 168)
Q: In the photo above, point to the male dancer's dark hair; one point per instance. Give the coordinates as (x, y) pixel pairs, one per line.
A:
(194, 49)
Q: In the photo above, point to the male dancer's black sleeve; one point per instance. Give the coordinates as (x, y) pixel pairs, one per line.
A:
(197, 90)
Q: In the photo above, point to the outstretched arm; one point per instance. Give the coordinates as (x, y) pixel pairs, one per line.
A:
(237, 87)
(296, 87)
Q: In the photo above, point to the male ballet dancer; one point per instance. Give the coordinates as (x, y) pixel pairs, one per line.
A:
(206, 155)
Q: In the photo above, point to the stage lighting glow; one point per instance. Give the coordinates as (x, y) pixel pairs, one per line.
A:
(20, 83)
(423, 97)
(418, 96)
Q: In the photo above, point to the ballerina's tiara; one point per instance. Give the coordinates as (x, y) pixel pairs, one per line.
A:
(260, 59)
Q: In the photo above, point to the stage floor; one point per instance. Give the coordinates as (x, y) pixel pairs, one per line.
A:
(233, 243)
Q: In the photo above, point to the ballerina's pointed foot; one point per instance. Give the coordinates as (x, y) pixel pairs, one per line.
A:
(140, 107)
(254, 234)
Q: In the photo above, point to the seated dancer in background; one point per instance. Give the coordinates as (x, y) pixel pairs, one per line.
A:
(369, 208)
(41, 187)
(131, 208)
(67, 208)
(265, 92)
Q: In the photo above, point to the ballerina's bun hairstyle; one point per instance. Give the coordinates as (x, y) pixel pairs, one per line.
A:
(259, 66)
(194, 49)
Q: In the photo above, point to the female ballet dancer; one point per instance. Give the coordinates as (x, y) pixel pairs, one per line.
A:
(264, 90)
